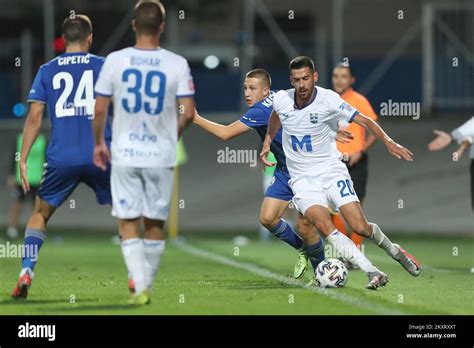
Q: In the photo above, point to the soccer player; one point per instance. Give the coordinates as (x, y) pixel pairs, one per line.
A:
(145, 82)
(464, 136)
(66, 86)
(258, 97)
(354, 153)
(310, 116)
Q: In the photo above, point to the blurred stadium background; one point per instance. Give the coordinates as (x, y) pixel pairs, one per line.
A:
(404, 51)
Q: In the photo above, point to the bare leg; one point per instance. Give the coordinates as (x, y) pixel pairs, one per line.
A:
(314, 244)
(358, 223)
(355, 217)
(321, 218)
(307, 230)
(42, 212)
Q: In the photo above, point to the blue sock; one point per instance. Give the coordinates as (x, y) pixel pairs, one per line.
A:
(315, 253)
(33, 242)
(285, 233)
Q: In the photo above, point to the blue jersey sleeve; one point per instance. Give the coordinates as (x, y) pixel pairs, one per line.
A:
(38, 90)
(255, 117)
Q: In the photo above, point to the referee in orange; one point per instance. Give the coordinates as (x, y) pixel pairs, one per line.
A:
(355, 152)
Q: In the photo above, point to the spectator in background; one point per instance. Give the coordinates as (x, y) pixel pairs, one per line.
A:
(35, 171)
(464, 135)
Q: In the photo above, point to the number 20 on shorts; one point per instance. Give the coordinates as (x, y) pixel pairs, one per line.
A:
(345, 188)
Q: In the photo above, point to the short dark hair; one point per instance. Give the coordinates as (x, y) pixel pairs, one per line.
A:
(77, 28)
(148, 17)
(302, 62)
(347, 66)
(260, 74)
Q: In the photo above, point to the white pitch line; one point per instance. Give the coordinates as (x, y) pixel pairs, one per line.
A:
(379, 309)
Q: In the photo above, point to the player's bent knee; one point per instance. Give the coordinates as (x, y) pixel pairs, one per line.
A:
(269, 217)
(362, 229)
(44, 210)
(153, 223)
(269, 221)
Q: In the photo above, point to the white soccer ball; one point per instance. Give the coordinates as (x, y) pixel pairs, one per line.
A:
(331, 273)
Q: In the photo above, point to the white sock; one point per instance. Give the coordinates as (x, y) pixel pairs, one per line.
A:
(382, 240)
(350, 252)
(27, 270)
(133, 253)
(153, 251)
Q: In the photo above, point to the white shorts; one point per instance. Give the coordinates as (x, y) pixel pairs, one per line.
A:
(330, 191)
(140, 192)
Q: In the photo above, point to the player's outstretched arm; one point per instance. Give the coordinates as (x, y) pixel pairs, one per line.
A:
(442, 140)
(30, 133)
(395, 149)
(274, 124)
(223, 132)
(463, 134)
(186, 113)
(101, 151)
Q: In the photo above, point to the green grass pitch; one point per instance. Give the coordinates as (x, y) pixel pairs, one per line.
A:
(85, 274)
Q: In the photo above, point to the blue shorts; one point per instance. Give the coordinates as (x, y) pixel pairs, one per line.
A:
(279, 187)
(58, 183)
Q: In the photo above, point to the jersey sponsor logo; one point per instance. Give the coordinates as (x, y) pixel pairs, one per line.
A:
(146, 136)
(313, 117)
(143, 138)
(191, 85)
(344, 106)
(304, 143)
(268, 101)
(249, 119)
